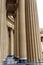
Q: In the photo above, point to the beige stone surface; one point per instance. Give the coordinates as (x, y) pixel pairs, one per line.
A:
(3, 30)
(17, 19)
(12, 43)
(24, 30)
(32, 30)
(22, 34)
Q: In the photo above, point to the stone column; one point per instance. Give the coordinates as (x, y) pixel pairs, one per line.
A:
(32, 30)
(17, 19)
(3, 35)
(12, 42)
(38, 33)
(22, 30)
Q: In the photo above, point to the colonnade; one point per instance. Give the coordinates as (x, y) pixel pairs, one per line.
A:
(27, 32)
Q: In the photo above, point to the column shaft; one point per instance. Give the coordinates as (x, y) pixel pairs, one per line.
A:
(12, 43)
(22, 45)
(3, 38)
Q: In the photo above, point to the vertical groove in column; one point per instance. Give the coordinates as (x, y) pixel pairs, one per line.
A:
(15, 38)
(17, 31)
(17, 19)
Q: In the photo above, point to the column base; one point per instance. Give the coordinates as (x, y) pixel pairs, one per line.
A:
(23, 61)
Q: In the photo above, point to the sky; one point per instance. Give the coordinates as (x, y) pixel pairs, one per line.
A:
(40, 12)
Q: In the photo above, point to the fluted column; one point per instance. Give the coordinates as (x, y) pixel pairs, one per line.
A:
(32, 30)
(22, 30)
(12, 42)
(3, 38)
